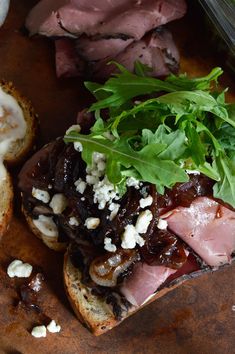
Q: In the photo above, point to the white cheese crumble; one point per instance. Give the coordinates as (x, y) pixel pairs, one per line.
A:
(39, 332)
(73, 221)
(46, 225)
(162, 224)
(113, 207)
(129, 237)
(19, 269)
(78, 146)
(133, 182)
(144, 202)
(143, 221)
(233, 308)
(80, 186)
(91, 179)
(104, 192)
(108, 245)
(40, 194)
(58, 203)
(92, 223)
(53, 327)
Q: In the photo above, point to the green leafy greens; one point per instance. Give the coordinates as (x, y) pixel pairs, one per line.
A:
(184, 124)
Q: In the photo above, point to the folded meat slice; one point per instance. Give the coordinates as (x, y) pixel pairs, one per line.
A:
(83, 56)
(157, 50)
(112, 18)
(207, 227)
(144, 281)
(90, 49)
(141, 17)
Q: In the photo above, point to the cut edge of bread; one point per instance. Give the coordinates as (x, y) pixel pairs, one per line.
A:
(21, 147)
(91, 310)
(49, 241)
(6, 202)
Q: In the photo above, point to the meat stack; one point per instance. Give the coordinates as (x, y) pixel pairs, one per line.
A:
(89, 34)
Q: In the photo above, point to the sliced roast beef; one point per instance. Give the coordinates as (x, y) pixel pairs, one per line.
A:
(141, 17)
(91, 50)
(107, 18)
(207, 227)
(144, 281)
(157, 50)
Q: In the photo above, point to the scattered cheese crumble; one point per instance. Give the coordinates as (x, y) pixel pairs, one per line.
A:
(80, 186)
(143, 221)
(58, 203)
(41, 195)
(53, 327)
(39, 331)
(108, 245)
(162, 224)
(129, 237)
(133, 182)
(73, 221)
(19, 269)
(113, 207)
(104, 193)
(144, 202)
(92, 223)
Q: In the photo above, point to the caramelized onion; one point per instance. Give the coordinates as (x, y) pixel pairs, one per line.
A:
(106, 269)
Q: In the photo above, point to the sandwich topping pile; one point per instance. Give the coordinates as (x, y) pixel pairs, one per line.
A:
(142, 191)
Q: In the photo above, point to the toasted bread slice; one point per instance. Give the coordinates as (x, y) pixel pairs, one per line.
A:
(17, 151)
(50, 241)
(6, 203)
(91, 310)
(20, 148)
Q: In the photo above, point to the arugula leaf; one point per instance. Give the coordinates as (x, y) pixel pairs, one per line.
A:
(225, 188)
(175, 142)
(124, 86)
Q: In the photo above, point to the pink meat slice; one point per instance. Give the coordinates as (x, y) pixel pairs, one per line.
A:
(157, 50)
(207, 227)
(144, 281)
(131, 18)
(99, 49)
(143, 16)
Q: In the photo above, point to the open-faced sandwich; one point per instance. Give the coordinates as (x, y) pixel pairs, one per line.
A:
(141, 193)
(17, 133)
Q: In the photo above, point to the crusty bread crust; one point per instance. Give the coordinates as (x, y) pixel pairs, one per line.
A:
(92, 311)
(6, 203)
(49, 241)
(20, 148)
(18, 151)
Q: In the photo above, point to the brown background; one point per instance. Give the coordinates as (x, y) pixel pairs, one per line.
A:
(195, 318)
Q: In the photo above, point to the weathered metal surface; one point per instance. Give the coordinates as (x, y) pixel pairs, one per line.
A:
(195, 318)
